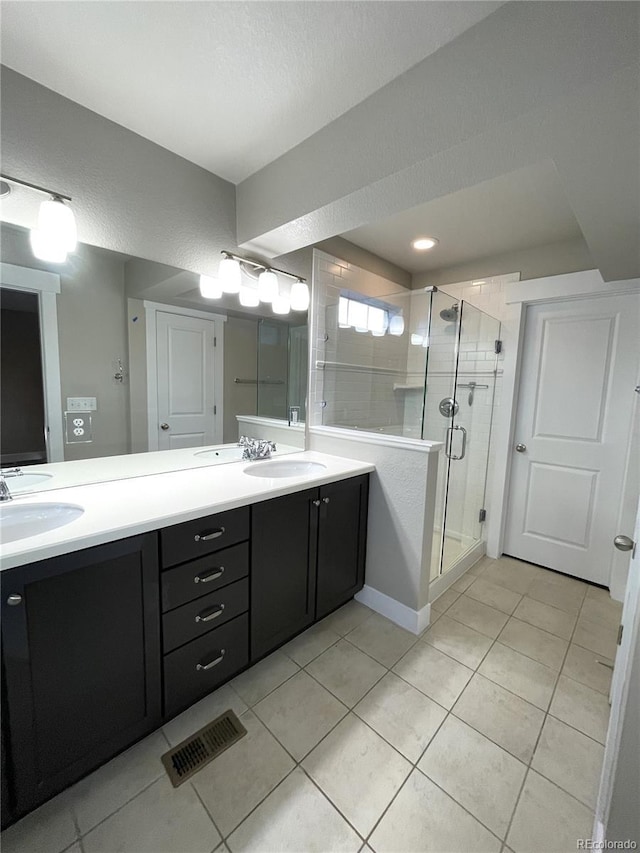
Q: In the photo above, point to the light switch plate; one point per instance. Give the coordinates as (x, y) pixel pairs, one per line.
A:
(82, 404)
(78, 428)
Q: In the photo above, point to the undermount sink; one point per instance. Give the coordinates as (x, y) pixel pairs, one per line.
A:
(284, 468)
(18, 521)
(26, 481)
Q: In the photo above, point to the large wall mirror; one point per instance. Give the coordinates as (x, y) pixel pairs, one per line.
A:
(127, 358)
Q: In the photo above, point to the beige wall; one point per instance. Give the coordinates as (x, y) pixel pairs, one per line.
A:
(240, 360)
(92, 336)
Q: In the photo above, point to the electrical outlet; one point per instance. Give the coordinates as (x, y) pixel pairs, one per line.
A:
(82, 404)
(78, 428)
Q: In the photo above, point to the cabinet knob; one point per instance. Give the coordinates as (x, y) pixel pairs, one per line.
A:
(325, 500)
(316, 503)
(14, 599)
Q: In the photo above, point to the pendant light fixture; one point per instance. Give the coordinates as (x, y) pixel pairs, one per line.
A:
(210, 287)
(55, 234)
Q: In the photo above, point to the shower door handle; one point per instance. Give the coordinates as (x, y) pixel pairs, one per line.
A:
(463, 449)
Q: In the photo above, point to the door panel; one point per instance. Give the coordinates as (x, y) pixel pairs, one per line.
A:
(575, 364)
(186, 382)
(575, 405)
(283, 560)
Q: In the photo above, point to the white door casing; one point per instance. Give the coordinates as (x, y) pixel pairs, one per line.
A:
(186, 382)
(47, 286)
(579, 367)
(620, 689)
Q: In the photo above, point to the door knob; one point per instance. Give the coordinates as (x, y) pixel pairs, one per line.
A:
(521, 448)
(164, 426)
(624, 543)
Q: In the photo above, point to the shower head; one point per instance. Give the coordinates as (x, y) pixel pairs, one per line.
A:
(450, 314)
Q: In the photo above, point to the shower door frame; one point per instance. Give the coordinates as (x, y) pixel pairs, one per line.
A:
(445, 578)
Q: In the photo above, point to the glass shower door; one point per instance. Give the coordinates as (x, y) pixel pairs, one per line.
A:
(469, 433)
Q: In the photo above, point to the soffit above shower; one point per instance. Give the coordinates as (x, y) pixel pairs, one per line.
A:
(516, 211)
(230, 86)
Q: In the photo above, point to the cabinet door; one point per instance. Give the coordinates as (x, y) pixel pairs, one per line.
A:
(283, 558)
(342, 538)
(82, 662)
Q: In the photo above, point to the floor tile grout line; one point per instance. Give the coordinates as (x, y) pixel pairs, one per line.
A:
(207, 812)
(330, 801)
(546, 713)
(535, 748)
(226, 837)
(123, 805)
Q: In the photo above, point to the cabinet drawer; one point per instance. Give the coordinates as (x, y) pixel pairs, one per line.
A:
(202, 576)
(199, 616)
(197, 668)
(183, 542)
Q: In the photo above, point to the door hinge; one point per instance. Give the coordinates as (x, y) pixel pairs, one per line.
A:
(620, 630)
(482, 515)
(215, 410)
(215, 341)
(497, 347)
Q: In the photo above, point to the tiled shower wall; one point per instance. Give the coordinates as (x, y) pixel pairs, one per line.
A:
(360, 392)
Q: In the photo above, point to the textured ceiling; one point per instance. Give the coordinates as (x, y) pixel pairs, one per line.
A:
(228, 85)
(520, 210)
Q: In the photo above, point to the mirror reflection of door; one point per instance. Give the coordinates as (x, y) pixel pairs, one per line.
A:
(22, 436)
(187, 410)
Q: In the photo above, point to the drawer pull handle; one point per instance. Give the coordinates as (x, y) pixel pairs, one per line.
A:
(208, 615)
(205, 537)
(212, 576)
(204, 666)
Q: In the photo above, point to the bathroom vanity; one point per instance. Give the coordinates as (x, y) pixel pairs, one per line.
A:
(110, 630)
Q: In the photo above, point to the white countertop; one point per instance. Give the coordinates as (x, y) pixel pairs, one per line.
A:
(101, 469)
(121, 508)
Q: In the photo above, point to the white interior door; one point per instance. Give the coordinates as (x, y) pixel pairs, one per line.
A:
(575, 404)
(186, 381)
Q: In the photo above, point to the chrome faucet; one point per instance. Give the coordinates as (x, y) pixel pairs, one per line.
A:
(5, 494)
(255, 448)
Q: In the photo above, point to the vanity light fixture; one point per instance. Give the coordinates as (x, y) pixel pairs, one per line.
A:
(249, 296)
(421, 244)
(267, 286)
(229, 274)
(56, 233)
(299, 296)
(282, 302)
(263, 285)
(210, 287)
(396, 325)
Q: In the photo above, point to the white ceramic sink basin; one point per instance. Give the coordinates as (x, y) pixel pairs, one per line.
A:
(284, 468)
(26, 482)
(18, 521)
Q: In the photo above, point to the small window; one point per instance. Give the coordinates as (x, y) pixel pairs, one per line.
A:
(363, 316)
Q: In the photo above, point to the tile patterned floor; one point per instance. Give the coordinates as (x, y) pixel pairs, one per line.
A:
(484, 734)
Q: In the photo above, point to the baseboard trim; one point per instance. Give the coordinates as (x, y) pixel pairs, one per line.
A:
(415, 621)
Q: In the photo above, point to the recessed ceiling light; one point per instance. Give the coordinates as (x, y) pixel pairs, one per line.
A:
(423, 243)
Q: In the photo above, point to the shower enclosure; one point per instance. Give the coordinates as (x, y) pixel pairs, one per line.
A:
(419, 365)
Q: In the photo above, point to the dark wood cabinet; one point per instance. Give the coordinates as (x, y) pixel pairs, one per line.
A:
(100, 646)
(308, 557)
(283, 557)
(81, 650)
(342, 539)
